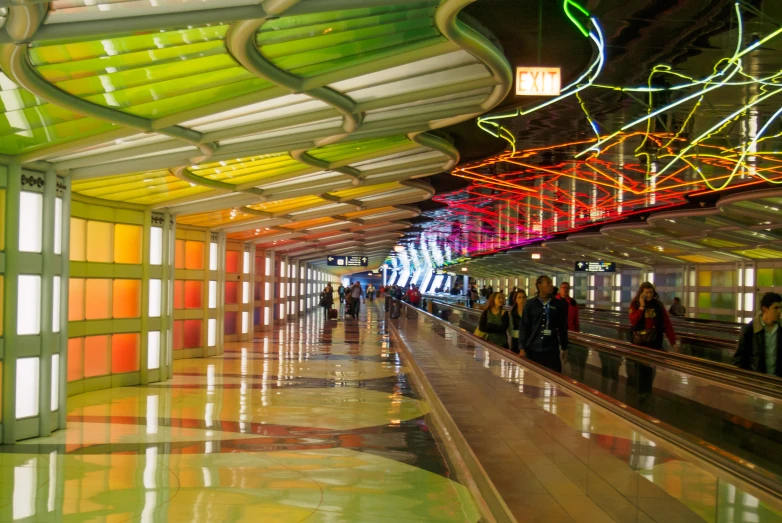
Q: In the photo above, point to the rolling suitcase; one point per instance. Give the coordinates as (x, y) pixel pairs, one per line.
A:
(333, 314)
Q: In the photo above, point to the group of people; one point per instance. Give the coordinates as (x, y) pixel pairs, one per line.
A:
(538, 327)
(351, 296)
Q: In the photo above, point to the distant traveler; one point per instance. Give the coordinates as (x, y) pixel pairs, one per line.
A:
(677, 309)
(473, 297)
(398, 292)
(341, 291)
(572, 307)
(515, 319)
(489, 291)
(413, 296)
(495, 320)
(356, 294)
(327, 300)
(649, 320)
(512, 296)
(484, 292)
(543, 334)
(371, 292)
(650, 324)
(760, 340)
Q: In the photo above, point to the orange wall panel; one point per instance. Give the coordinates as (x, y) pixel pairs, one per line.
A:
(127, 244)
(232, 259)
(99, 242)
(75, 359)
(125, 353)
(127, 299)
(194, 256)
(179, 254)
(193, 338)
(179, 335)
(231, 292)
(230, 323)
(78, 249)
(76, 299)
(96, 356)
(179, 294)
(194, 294)
(98, 304)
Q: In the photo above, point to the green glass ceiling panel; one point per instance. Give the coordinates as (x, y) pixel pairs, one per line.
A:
(358, 52)
(145, 188)
(33, 139)
(336, 37)
(249, 170)
(343, 151)
(150, 75)
(13, 122)
(152, 45)
(16, 99)
(271, 34)
(338, 16)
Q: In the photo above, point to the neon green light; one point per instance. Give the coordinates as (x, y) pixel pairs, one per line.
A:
(573, 19)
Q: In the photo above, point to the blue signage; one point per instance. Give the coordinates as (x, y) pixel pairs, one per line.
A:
(347, 261)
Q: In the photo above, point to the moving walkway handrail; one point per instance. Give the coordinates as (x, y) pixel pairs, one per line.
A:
(723, 326)
(721, 343)
(749, 381)
(741, 469)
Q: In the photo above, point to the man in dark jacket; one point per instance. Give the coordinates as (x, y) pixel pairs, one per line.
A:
(543, 333)
(761, 340)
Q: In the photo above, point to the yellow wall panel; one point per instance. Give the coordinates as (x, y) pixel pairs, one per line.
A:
(99, 242)
(127, 244)
(78, 240)
(98, 293)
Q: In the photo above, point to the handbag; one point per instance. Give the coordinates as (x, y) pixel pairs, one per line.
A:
(645, 337)
(478, 332)
(322, 301)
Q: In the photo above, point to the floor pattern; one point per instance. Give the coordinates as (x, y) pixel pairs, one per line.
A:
(315, 422)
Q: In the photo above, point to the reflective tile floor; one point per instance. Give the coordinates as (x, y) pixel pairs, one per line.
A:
(314, 422)
(557, 457)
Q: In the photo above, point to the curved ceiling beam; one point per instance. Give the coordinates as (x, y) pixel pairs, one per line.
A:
(447, 21)
(438, 144)
(301, 156)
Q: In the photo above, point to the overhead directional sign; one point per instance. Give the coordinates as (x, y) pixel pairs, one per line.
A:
(347, 261)
(598, 266)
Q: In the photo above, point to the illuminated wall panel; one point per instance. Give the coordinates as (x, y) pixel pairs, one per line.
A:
(96, 356)
(179, 254)
(125, 353)
(127, 299)
(127, 243)
(179, 294)
(76, 298)
(75, 359)
(194, 294)
(99, 242)
(232, 261)
(27, 380)
(153, 350)
(192, 334)
(231, 292)
(156, 246)
(211, 331)
(78, 244)
(155, 290)
(230, 323)
(179, 334)
(98, 299)
(28, 308)
(194, 255)
(30, 222)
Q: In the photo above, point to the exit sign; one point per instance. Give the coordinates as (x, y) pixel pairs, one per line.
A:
(538, 81)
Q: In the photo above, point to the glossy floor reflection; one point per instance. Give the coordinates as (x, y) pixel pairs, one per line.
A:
(312, 422)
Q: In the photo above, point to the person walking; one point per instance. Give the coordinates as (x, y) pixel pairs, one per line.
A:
(371, 292)
(572, 307)
(356, 295)
(650, 325)
(473, 297)
(413, 296)
(327, 300)
(512, 296)
(516, 312)
(543, 334)
(677, 309)
(495, 320)
(341, 291)
(760, 342)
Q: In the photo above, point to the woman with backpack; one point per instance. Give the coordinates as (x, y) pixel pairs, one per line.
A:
(327, 300)
(495, 320)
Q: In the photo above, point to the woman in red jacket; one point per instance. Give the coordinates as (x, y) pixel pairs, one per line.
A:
(650, 323)
(649, 319)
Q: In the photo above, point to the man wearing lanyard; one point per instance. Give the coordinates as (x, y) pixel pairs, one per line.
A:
(543, 334)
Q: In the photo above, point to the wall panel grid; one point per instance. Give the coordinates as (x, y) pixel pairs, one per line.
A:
(196, 294)
(239, 292)
(33, 274)
(116, 296)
